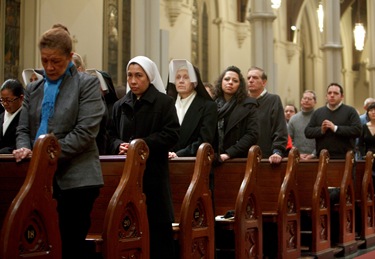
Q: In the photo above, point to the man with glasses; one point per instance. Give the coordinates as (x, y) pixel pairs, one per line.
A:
(298, 123)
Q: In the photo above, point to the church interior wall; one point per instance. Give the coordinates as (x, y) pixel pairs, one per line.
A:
(231, 52)
(83, 18)
(299, 65)
(179, 33)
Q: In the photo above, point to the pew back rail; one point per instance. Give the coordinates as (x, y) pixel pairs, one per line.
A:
(125, 229)
(248, 214)
(367, 215)
(30, 228)
(196, 225)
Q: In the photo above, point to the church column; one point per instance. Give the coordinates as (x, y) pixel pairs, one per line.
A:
(145, 30)
(262, 40)
(371, 44)
(332, 46)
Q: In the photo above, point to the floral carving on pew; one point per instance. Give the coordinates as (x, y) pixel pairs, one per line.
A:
(251, 241)
(323, 234)
(348, 196)
(322, 199)
(349, 223)
(291, 235)
(370, 215)
(349, 213)
(143, 154)
(250, 208)
(198, 249)
(291, 203)
(199, 217)
(129, 227)
(370, 223)
(52, 150)
(369, 195)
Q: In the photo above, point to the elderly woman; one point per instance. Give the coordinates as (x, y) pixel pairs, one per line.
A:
(196, 111)
(69, 105)
(146, 112)
(11, 93)
(238, 127)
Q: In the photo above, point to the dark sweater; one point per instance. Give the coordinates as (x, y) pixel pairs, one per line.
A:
(348, 129)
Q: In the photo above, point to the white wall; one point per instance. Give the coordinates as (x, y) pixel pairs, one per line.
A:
(84, 19)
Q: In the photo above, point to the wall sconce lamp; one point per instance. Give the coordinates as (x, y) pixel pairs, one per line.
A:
(275, 4)
(320, 12)
(359, 36)
(359, 31)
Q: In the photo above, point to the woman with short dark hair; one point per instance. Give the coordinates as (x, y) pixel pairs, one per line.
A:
(69, 105)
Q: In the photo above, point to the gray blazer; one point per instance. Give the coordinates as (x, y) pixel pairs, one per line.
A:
(77, 115)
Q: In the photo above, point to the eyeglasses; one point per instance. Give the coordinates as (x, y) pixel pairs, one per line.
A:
(2, 101)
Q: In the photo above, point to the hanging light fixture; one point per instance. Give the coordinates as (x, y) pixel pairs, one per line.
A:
(320, 12)
(359, 36)
(275, 4)
(359, 31)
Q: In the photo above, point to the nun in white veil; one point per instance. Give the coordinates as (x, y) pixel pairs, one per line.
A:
(196, 111)
(146, 112)
(151, 70)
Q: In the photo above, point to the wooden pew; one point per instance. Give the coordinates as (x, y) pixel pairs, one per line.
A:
(112, 169)
(119, 216)
(315, 207)
(248, 211)
(195, 228)
(125, 229)
(247, 222)
(113, 165)
(12, 177)
(30, 228)
(189, 182)
(364, 194)
(343, 222)
(278, 200)
(285, 211)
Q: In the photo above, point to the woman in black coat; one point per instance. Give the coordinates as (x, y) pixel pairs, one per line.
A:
(237, 115)
(146, 112)
(196, 111)
(12, 94)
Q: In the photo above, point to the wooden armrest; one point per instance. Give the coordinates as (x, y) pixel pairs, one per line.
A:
(176, 230)
(270, 216)
(97, 239)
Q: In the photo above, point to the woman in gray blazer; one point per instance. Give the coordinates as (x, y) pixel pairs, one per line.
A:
(69, 105)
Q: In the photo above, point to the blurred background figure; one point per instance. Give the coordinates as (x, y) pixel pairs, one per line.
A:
(366, 141)
(11, 93)
(289, 111)
(30, 75)
(210, 89)
(363, 117)
(78, 62)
